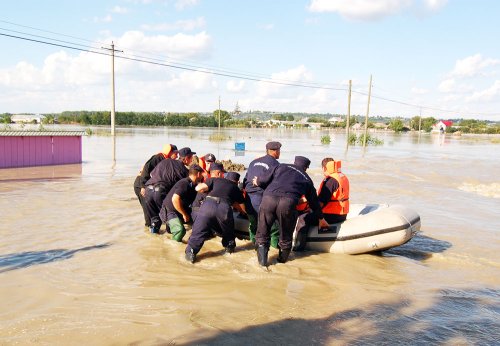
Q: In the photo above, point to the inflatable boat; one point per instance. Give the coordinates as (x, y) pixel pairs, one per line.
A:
(368, 228)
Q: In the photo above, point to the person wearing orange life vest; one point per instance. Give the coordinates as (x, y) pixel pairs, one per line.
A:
(168, 151)
(333, 197)
(205, 162)
(333, 192)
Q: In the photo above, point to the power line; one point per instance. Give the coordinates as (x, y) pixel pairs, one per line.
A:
(222, 73)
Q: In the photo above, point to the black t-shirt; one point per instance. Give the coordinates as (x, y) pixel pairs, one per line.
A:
(167, 173)
(148, 168)
(185, 188)
(224, 189)
(330, 185)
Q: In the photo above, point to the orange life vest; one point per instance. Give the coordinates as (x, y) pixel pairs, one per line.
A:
(202, 163)
(339, 201)
(303, 205)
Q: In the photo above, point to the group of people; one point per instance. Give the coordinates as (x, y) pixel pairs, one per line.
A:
(277, 198)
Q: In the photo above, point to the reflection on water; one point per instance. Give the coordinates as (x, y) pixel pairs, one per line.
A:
(70, 287)
(419, 248)
(25, 259)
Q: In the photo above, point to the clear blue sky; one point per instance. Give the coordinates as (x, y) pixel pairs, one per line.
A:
(441, 55)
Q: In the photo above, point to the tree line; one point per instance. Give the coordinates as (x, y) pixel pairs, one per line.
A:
(225, 119)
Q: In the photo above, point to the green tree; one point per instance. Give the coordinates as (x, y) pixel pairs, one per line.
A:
(224, 115)
(396, 125)
(415, 123)
(427, 124)
(5, 118)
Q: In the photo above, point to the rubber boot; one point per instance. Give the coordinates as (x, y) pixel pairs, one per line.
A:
(262, 251)
(275, 235)
(154, 229)
(252, 227)
(230, 247)
(283, 256)
(177, 229)
(190, 255)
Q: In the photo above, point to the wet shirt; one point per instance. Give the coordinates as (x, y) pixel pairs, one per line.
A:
(330, 185)
(288, 180)
(148, 167)
(185, 188)
(224, 189)
(256, 168)
(167, 173)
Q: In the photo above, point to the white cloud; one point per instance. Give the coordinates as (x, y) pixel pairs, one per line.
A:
(372, 9)
(119, 10)
(182, 4)
(178, 46)
(447, 85)
(106, 19)
(297, 74)
(419, 91)
(192, 81)
(235, 86)
(180, 25)
(472, 66)
(359, 9)
(435, 4)
(487, 94)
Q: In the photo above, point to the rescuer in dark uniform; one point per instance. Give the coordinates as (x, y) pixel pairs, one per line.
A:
(216, 171)
(169, 151)
(284, 187)
(176, 208)
(216, 214)
(163, 177)
(333, 197)
(254, 193)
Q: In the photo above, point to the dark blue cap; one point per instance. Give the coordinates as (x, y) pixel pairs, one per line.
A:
(233, 176)
(302, 161)
(216, 166)
(273, 145)
(183, 152)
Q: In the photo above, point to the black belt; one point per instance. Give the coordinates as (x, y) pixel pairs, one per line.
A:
(218, 200)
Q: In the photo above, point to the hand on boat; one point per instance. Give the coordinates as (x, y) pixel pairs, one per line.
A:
(323, 224)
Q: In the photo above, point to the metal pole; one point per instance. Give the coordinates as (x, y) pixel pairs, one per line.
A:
(113, 88)
(348, 120)
(367, 112)
(219, 114)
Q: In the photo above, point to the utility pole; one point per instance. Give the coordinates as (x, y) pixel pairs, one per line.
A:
(113, 50)
(420, 121)
(367, 112)
(219, 113)
(348, 120)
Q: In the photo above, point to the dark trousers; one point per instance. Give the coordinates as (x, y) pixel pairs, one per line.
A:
(137, 190)
(212, 216)
(275, 208)
(154, 200)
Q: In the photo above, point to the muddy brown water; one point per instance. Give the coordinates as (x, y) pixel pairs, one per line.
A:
(77, 266)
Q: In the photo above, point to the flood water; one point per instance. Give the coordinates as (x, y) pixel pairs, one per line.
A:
(77, 266)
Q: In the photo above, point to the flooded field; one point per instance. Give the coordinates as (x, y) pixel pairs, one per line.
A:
(78, 267)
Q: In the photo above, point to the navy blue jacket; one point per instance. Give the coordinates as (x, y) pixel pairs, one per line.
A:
(257, 168)
(287, 180)
(167, 173)
(148, 168)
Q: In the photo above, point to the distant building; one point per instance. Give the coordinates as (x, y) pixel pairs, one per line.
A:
(335, 120)
(442, 125)
(27, 118)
